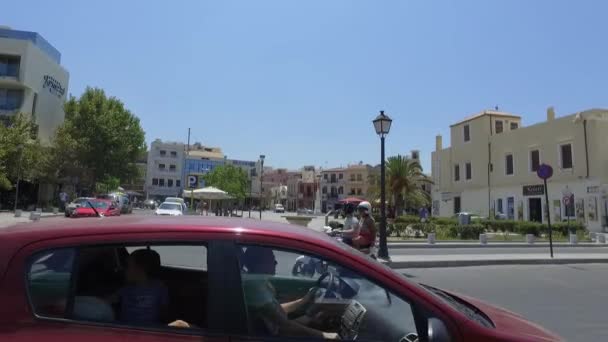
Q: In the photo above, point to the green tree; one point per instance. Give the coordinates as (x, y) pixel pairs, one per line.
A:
(229, 178)
(404, 183)
(20, 151)
(99, 141)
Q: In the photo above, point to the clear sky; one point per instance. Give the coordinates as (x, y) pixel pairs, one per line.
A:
(300, 81)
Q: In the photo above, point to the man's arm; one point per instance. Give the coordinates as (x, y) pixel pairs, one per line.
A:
(293, 306)
(287, 327)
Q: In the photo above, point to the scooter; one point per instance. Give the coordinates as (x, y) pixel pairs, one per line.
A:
(309, 266)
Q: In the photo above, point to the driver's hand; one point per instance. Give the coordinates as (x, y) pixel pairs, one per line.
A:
(310, 295)
(330, 336)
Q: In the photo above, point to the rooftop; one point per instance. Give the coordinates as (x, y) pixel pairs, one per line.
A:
(35, 38)
(486, 112)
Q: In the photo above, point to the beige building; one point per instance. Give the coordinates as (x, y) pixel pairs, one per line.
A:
(164, 169)
(32, 80)
(490, 167)
(340, 183)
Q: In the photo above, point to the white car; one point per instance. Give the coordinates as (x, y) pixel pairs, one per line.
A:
(278, 208)
(169, 209)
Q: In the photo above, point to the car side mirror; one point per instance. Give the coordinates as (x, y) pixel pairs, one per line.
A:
(437, 331)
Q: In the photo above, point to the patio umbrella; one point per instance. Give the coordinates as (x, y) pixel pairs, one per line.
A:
(208, 193)
(352, 200)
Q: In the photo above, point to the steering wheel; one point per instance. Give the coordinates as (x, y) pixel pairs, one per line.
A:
(330, 290)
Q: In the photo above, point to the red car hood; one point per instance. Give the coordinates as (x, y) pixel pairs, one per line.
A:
(509, 322)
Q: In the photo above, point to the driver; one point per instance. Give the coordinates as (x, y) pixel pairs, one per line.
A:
(260, 296)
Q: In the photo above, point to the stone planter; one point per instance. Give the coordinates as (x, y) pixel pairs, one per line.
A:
(35, 216)
(55, 210)
(298, 220)
(573, 239)
(600, 238)
(431, 238)
(18, 212)
(530, 238)
(483, 239)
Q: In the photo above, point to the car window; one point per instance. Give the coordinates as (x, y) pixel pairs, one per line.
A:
(289, 294)
(139, 285)
(48, 278)
(170, 206)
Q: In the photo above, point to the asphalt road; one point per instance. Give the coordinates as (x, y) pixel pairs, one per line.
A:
(570, 300)
(502, 250)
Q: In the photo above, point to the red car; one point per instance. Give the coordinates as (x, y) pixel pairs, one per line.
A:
(211, 279)
(102, 206)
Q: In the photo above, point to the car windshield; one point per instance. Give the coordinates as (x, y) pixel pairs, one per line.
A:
(96, 204)
(170, 206)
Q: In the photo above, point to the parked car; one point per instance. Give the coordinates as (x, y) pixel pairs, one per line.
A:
(178, 200)
(278, 208)
(57, 275)
(102, 207)
(170, 209)
(121, 199)
(69, 209)
(150, 204)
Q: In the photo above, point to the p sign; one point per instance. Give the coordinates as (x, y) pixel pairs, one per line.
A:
(192, 181)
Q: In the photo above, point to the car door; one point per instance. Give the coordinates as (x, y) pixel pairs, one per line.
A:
(42, 305)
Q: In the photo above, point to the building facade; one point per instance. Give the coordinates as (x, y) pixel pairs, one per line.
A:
(490, 168)
(164, 169)
(200, 160)
(32, 80)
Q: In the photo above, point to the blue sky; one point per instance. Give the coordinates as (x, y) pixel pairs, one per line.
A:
(300, 81)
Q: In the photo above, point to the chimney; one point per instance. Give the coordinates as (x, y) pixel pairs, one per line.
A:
(550, 114)
(416, 155)
(438, 144)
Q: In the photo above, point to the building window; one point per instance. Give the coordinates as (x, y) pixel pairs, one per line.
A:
(163, 153)
(456, 205)
(340, 176)
(566, 156)
(456, 173)
(325, 176)
(173, 154)
(10, 99)
(169, 183)
(340, 190)
(172, 167)
(333, 177)
(178, 183)
(359, 177)
(514, 126)
(9, 66)
(467, 136)
(415, 155)
(324, 190)
(161, 182)
(154, 181)
(352, 177)
(467, 170)
(359, 191)
(352, 191)
(509, 164)
(499, 206)
(498, 126)
(534, 160)
(161, 166)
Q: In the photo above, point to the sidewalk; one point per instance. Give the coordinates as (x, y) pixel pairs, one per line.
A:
(8, 218)
(461, 260)
(476, 244)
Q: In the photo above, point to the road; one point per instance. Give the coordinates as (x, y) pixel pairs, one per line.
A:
(567, 299)
(494, 250)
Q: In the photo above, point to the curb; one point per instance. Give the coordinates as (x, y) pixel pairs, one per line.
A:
(465, 263)
(438, 244)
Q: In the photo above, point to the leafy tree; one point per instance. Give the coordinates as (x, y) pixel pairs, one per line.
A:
(99, 141)
(229, 178)
(404, 182)
(20, 151)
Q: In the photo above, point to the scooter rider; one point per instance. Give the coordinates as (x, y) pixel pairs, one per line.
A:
(351, 225)
(367, 227)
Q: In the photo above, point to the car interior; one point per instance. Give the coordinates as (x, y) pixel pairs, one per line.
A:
(101, 273)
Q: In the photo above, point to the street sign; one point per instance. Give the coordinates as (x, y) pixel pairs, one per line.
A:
(566, 200)
(192, 181)
(544, 171)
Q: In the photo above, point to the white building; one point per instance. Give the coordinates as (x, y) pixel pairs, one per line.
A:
(164, 169)
(490, 167)
(32, 80)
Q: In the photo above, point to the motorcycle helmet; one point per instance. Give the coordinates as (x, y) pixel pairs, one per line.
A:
(365, 205)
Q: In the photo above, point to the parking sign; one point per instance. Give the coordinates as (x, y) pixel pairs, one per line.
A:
(192, 181)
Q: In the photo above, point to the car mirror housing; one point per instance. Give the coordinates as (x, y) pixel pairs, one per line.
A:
(437, 331)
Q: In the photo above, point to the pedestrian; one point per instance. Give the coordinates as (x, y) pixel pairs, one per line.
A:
(63, 198)
(423, 213)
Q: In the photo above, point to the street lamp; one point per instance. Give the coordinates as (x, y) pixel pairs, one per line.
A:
(251, 175)
(261, 177)
(382, 125)
(20, 149)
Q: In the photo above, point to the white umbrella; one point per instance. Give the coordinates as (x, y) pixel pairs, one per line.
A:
(209, 193)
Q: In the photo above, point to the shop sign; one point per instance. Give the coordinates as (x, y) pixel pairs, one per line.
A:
(533, 190)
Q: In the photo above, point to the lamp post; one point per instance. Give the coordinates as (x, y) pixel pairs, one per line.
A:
(20, 149)
(261, 180)
(382, 125)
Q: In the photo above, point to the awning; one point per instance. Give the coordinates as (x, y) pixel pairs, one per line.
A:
(209, 193)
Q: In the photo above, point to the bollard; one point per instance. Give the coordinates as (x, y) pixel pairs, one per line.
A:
(573, 239)
(34, 216)
(55, 210)
(18, 213)
(39, 210)
(431, 238)
(600, 238)
(530, 238)
(483, 239)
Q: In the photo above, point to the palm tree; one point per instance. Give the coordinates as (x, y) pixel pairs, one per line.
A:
(404, 183)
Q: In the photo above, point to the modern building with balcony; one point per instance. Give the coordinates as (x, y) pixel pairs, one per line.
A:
(164, 169)
(32, 80)
(491, 164)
